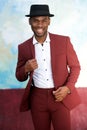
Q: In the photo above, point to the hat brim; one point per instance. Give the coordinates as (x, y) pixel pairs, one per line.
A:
(50, 15)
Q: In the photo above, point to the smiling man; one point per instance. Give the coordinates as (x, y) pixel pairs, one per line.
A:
(39, 26)
(52, 66)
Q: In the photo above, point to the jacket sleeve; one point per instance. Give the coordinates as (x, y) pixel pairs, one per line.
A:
(20, 70)
(73, 65)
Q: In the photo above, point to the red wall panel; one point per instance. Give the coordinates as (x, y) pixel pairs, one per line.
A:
(12, 119)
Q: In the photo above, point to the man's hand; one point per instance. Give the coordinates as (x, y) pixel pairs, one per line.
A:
(31, 65)
(61, 93)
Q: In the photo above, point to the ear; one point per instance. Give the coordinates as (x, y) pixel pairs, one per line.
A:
(49, 21)
(29, 20)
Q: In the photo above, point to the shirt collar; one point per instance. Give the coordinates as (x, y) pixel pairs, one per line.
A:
(36, 42)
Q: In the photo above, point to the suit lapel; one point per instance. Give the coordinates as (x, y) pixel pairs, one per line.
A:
(32, 48)
(52, 47)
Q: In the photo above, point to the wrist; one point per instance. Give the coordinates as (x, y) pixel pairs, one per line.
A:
(68, 91)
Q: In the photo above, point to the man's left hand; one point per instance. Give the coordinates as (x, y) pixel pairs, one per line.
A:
(61, 93)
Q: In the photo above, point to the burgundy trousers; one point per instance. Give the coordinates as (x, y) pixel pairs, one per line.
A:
(45, 110)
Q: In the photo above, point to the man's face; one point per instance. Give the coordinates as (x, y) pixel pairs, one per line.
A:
(39, 25)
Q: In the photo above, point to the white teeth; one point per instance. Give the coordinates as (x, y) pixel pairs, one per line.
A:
(39, 30)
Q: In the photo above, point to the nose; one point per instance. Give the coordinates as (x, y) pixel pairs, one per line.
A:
(40, 24)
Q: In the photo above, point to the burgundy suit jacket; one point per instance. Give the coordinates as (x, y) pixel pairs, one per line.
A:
(62, 57)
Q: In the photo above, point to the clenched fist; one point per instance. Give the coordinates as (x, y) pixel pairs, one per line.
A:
(31, 65)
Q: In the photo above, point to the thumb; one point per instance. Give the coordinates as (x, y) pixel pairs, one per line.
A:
(54, 92)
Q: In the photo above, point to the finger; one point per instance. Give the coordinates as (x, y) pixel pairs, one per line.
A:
(59, 99)
(34, 61)
(57, 91)
(31, 61)
(35, 66)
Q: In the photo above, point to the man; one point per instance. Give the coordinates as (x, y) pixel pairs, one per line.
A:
(52, 66)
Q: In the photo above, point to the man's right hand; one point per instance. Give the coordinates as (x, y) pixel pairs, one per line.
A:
(31, 65)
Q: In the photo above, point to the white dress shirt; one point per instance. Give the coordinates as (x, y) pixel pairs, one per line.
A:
(42, 76)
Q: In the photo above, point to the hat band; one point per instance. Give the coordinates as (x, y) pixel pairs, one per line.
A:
(39, 13)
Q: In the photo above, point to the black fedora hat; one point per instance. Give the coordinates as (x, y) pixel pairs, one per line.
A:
(39, 10)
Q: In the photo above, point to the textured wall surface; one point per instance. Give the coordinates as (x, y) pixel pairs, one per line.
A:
(12, 119)
(69, 20)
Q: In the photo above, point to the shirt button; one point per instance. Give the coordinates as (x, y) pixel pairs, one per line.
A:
(44, 59)
(42, 49)
(47, 79)
(45, 69)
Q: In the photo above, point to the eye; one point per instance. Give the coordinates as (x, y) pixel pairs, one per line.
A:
(45, 21)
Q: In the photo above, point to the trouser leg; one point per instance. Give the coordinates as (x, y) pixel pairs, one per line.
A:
(40, 114)
(41, 120)
(61, 118)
